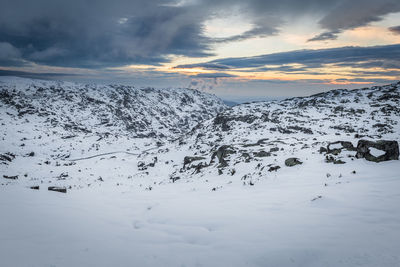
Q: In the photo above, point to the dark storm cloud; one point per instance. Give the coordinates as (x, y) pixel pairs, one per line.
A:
(34, 75)
(351, 56)
(103, 33)
(395, 29)
(352, 14)
(10, 56)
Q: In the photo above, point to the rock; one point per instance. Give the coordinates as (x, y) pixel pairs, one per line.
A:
(316, 198)
(174, 178)
(261, 154)
(198, 167)
(7, 157)
(57, 189)
(15, 177)
(187, 160)
(221, 153)
(290, 162)
(246, 157)
(63, 176)
(336, 151)
(36, 187)
(300, 129)
(223, 120)
(322, 150)
(391, 149)
(274, 168)
(331, 159)
(274, 149)
(141, 166)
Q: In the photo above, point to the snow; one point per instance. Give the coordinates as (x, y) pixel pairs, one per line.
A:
(355, 223)
(117, 214)
(376, 152)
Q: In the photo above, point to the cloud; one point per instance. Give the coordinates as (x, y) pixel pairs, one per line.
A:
(213, 75)
(352, 14)
(209, 66)
(34, 74)
(103, 33)
(256, 31)
(333, 35)
(9, 55)
(395, 29)
(374, 56)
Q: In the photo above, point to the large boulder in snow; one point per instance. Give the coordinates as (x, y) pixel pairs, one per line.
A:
(290, 162)
(390, 149)
(343, 145)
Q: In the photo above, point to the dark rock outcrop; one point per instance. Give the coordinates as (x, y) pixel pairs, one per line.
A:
(221, 154)
(10, 177)
(336, 151)
(290, 162)
(6, 158)
(391, 149)
(262, 154)
(187, 160)
(57, 189)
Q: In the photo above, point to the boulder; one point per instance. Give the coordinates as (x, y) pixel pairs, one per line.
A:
(11, 177)
(344, 145)
(57, 189)
(221, 154)
(391, 149)
(290, 162)
(331, 159)
(187, 160)
(274, 168)
(261, 154)
(6, 158)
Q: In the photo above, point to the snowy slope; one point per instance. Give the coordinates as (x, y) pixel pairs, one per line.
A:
(258, 136)
(63, 120)
(105, 110)
(138, 202)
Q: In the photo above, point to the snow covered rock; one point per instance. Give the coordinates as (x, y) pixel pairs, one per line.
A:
(390, 150)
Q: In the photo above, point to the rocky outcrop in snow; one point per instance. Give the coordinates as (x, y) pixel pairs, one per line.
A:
(105, 110)
(258, 137)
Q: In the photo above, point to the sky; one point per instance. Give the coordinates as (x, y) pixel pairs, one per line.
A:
(238, 50)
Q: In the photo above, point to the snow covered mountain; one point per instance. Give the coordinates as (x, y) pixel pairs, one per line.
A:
(59, 119)
(182, 134)
(151, 173)
(249, 141)
(105, 110)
